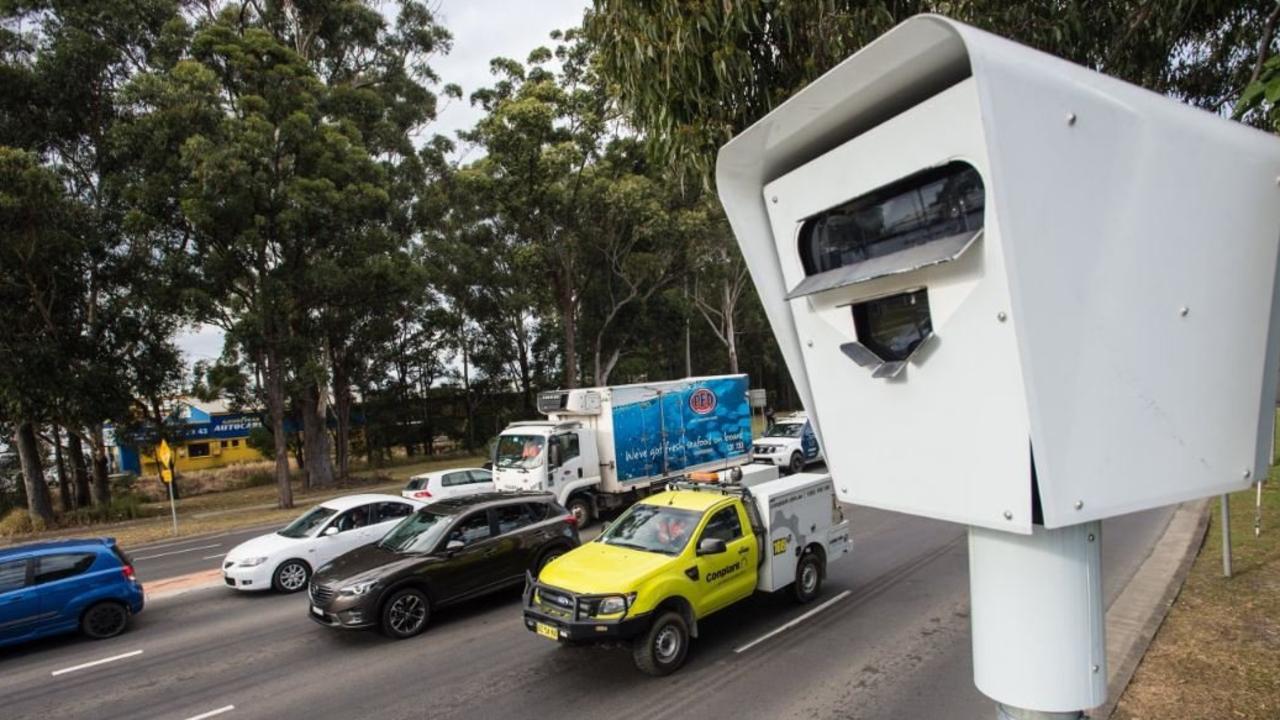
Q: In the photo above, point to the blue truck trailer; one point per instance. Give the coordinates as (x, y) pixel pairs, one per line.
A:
(603, 448)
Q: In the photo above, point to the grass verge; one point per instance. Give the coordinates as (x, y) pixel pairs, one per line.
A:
(1217, 654)
(248, 507)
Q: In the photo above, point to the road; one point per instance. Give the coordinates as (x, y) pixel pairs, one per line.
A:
(893, 643)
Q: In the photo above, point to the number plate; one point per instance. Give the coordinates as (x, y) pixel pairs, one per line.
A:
(548, 631)
(317, 611)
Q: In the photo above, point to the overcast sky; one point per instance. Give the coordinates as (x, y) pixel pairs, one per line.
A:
(482, 30)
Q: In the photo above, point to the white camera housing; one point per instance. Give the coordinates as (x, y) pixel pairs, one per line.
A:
(1109, 310)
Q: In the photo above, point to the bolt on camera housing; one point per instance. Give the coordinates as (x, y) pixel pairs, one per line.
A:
(1019, 295)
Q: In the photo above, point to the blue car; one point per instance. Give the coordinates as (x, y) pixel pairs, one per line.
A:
(58, 587)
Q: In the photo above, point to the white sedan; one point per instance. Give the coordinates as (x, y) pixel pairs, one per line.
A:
(455, 482)
(284, 560)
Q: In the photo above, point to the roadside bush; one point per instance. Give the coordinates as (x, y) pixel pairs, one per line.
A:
(19, 522)
(127, 506)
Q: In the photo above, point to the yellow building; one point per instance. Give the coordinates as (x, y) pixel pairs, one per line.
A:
(209, 436)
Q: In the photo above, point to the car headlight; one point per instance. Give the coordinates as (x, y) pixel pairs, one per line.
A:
(614, 604)
(252, 562)
(356, 589)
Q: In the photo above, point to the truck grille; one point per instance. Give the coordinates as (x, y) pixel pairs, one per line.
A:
(321, 595)
(554, 602)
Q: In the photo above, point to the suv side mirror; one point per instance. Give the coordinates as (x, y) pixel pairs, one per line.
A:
(453, 545)
(711, 546)
(330, 531)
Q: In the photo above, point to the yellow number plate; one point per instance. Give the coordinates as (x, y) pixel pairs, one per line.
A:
(547, 631)
(779, 546)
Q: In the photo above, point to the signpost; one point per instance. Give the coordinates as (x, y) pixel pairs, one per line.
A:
(164, 455)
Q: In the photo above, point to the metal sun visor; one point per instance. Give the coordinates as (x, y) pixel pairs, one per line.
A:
(934, 252)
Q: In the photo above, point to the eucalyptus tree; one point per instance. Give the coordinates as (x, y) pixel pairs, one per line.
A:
(692, 74)
(541, 132)
(62, 65)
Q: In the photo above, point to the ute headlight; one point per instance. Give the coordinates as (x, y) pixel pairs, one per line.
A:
(360, 588)
(252, 562)
(614, 604)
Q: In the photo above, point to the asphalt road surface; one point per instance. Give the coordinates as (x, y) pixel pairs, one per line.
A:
(893, 642)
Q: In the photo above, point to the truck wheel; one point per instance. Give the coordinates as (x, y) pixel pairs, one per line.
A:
(662, 650)
(796, 464)
(580, 508)
(808, 578)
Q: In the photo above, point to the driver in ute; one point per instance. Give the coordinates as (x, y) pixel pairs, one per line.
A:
(673, 532)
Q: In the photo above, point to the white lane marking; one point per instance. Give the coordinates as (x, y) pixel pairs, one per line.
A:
(176, 552)
(211, 713)
(82, 666)
(210, 557)
(795, 622)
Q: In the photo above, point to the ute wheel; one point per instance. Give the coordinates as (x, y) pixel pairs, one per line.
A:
(580, 508)
(796, 464)
(104, 620)
(291, 576)
(808, 578)
(662, 650)
(405, 614)
(546, 559)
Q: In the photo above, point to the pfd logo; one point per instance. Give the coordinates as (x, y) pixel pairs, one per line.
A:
(702, 401)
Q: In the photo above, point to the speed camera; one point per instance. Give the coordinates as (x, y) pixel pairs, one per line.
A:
(1013, 291)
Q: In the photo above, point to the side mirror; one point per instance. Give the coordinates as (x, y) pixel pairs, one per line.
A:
(553, 455)
(330, 531)
(711, 546)
(453, 545)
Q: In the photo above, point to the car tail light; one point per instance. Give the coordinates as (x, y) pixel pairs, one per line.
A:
(422, 494)
(128, 572)
(571, 519)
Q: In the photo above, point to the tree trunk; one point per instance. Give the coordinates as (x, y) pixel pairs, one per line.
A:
(315, 436)
(75, 452)
(466, 385)
(64, 485)
(569, 325)
(275, 406)
(101, 484)
(689, 343)
(730, 335)
(38, 503)
(342, 411)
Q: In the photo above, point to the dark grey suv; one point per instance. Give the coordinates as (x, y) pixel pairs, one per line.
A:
(442, 554)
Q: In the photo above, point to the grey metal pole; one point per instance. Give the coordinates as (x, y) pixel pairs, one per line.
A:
(1226, 535)
(1004, 712)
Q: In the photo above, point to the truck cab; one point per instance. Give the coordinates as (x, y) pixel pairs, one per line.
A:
(678, 556)
(547, 456)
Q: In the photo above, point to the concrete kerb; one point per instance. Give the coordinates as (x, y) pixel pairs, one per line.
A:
(1139, 610)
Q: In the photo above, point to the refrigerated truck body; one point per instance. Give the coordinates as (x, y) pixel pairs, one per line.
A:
(602, 448)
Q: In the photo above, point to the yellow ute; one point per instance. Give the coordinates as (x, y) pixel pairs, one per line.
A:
(678, 556)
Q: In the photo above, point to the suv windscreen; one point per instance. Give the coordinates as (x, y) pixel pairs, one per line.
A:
(420, 532)
(791, 430)
(653, 528)
(519, 451)
(308, 524)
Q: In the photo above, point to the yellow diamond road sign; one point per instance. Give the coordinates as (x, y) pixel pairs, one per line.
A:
(165, 455)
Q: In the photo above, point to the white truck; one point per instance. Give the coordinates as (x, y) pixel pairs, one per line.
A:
(605, 447)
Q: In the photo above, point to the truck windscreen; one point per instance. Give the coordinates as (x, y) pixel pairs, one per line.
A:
(653, 528)
(519, 451)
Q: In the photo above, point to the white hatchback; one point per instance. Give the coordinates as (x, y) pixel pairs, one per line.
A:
(441, 484)
(284, 560)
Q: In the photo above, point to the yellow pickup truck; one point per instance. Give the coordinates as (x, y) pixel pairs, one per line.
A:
(675, 557)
